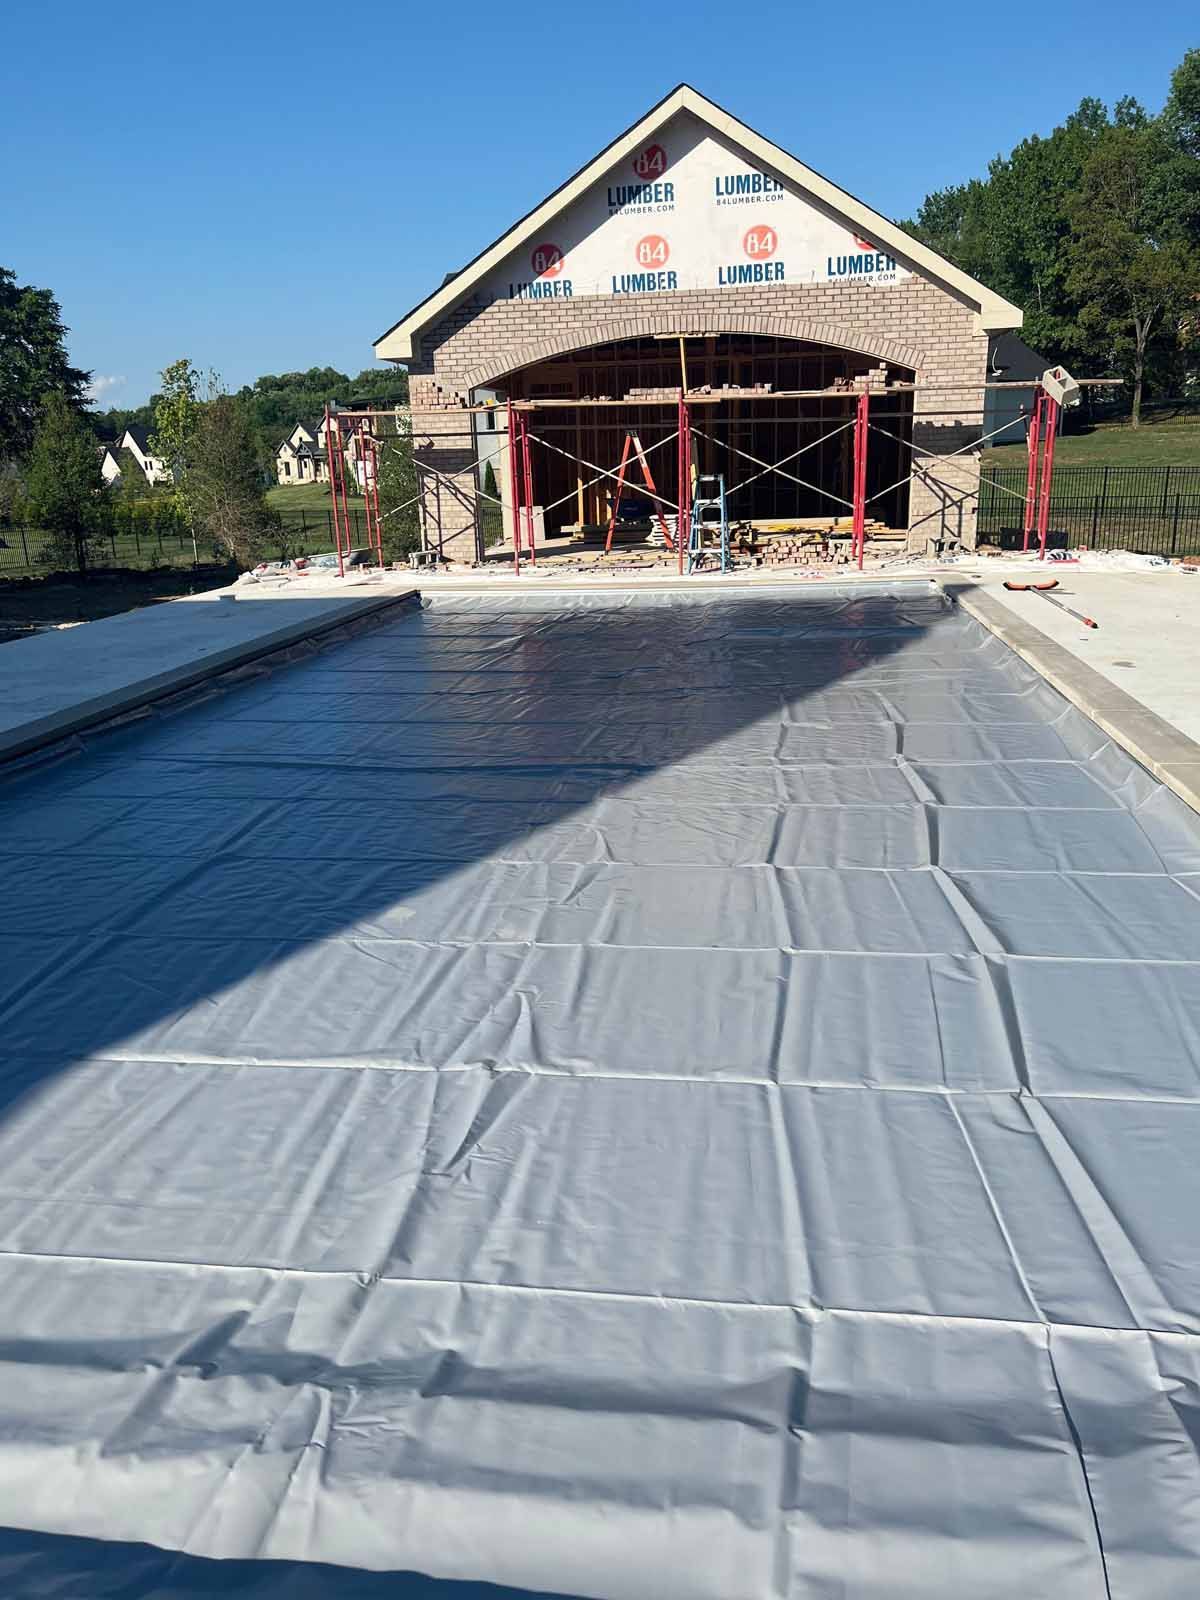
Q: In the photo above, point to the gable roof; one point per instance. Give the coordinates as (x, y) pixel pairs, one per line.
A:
(140, 436)
(311, 435)
(1011, 359)
(995, 313)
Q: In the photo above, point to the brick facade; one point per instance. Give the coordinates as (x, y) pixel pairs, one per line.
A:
(916, 323)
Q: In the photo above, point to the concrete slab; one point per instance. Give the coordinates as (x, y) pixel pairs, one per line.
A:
(1148, 641)
(55, 684)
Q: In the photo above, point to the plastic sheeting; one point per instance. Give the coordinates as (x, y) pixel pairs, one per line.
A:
(613, 1095)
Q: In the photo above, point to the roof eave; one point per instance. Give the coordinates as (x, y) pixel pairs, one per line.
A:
(997, 315)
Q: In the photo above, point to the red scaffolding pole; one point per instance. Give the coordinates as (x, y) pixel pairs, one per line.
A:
(368, 454)
(859, 524)
(375, 496)
(343, 440)
(514, 492)
(527, 482)
(683, 522)
(1050, 422)
(332, 456)
(333, 505)
(1031, 471)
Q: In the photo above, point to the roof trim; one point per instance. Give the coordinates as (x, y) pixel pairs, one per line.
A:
(995, 313)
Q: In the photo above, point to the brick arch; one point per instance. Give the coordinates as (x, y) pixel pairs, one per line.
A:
(860, 340)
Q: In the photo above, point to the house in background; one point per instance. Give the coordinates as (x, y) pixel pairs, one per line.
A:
(1011, 360)
(110, 465)
(301, 457)
(136, 439)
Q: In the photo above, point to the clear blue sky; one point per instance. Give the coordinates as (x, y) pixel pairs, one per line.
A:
(265, 187)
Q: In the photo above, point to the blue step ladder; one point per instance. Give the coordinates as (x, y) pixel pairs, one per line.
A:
(709, 516)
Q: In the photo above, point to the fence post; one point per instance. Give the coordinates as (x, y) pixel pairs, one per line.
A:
(1104, 493)
(24, 547)
(1095, 519)
(1166, 482)
(1175, 526)
(137, 540)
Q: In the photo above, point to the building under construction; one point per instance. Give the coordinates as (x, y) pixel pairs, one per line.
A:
(694, 260)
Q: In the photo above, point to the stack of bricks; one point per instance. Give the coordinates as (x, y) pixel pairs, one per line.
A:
(790, 552)
(799, 549)
(873, 381)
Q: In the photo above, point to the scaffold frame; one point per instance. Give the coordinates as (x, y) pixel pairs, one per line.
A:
(356, 430)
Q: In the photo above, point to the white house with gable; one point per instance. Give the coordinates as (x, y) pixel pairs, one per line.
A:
(136, 439)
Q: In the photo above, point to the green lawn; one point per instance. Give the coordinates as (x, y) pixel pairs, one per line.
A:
(1169, 442)
(299, 497)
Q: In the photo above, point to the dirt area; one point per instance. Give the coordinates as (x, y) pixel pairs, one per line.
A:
(29, 603)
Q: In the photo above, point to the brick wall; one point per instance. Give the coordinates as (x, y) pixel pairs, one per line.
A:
(915, 324)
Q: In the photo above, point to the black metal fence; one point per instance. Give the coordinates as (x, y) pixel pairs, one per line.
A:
(1153, 510)
(34, 552)
(308, 532)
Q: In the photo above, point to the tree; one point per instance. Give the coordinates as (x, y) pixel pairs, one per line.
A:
(1132, 265)
(10, 491)
(222, 483)
(33, 362)
(398, 486)
(176, 415)
(1091, 231)
(1181, 114)
(275, 403)
(491, 510)
(379, 386)
(64, 489)
(133, 484)
(110, 425)
(176, 419)
(1010, 230)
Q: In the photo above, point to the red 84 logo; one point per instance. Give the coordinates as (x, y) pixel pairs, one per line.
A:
(651, 162)
(760, 243)
(546, 261)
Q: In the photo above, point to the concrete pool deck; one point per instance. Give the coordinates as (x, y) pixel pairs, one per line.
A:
(57, 683)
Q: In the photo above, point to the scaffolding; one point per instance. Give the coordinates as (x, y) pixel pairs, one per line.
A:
(352, 434)
(356, 433)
